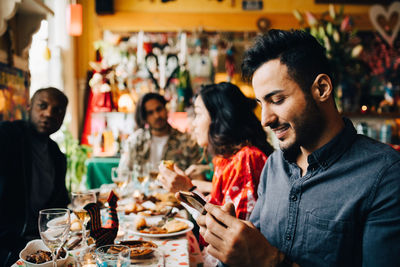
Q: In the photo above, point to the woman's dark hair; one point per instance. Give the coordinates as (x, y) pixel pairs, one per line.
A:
(233, 123)
(302, 54)
(141, 113)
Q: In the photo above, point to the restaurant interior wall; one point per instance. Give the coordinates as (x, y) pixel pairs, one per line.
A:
(188, 15)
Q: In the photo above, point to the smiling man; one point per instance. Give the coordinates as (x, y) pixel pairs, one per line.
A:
(156, 140)
(328, 196)
(32, 171)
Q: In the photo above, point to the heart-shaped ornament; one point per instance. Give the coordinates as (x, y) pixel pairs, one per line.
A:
(376, 11)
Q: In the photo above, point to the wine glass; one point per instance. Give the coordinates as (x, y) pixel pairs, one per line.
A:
(141, 174)
(153, 175)
(120, 178)
(54, 225)
(78, 201)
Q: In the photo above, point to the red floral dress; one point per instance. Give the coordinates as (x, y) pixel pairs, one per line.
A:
(236, 180)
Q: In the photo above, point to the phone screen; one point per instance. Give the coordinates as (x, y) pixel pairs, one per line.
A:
(193, 200)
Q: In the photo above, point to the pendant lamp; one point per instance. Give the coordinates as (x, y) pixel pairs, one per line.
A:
(74, 19)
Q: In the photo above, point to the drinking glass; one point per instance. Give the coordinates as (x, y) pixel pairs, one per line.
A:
(108, 255)
(141, 256)
(120, 178)
(78, 201)
(153, 171)
(54, 225)
(153, 175)
(141, 175)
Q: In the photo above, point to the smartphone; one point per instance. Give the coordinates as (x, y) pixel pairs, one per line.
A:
(193, 200)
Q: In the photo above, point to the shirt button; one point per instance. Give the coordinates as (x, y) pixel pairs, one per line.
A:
(293, 197)
(288, 237)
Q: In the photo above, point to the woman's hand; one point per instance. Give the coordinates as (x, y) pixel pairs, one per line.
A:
(195, 171)
(175, 180)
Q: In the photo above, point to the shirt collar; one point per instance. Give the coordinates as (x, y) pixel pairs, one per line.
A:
(326, 155)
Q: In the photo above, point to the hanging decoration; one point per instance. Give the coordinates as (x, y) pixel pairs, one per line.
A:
(387, 32)
(74, 19)
(263, 24)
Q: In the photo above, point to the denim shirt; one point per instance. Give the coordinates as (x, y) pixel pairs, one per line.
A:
(345, 211)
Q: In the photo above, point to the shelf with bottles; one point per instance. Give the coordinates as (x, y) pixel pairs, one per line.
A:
(372, 115)
(109, 132)
(385, 129)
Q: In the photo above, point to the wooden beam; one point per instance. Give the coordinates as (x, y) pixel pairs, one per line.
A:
(136, 21)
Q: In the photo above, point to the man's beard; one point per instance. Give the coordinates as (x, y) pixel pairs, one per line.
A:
(307, 128)
(161, 128)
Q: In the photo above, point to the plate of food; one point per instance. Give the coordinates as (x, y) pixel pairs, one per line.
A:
(157, 227)
(156, 204)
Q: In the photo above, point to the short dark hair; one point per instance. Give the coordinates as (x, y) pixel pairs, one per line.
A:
(54, 92)
(233, 122)
(303, 55)
(140, 113)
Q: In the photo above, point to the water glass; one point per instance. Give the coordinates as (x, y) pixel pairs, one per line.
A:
(108, 255)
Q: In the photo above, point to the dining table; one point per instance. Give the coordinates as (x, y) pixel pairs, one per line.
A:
(178, 249)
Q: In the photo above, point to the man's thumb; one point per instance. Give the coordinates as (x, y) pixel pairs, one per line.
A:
(230, 208)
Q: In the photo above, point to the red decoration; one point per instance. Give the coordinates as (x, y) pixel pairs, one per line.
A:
(74, 19)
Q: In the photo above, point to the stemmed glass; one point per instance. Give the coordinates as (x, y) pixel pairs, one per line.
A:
(54, 225)
(78, 201)
(153, 175)
(141, 174)
(120, 178)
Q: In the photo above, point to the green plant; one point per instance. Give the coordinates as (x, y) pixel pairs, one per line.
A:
(76, 156)
(335, 31)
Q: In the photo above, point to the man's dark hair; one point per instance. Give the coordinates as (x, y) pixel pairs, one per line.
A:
(54, 92)
(233, 123)
(141, 113)
(303, 55)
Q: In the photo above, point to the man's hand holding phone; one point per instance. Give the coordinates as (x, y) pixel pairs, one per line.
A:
(193, 199)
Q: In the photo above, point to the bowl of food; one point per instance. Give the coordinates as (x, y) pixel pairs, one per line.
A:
(36, 254)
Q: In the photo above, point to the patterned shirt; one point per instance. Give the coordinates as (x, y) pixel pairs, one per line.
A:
(236, 179)
(180, 148)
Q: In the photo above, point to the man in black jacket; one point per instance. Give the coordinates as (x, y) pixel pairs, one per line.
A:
(32, 171)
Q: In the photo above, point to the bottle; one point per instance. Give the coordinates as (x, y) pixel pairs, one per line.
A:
(107, 140)
(386, 133)
(362, 128)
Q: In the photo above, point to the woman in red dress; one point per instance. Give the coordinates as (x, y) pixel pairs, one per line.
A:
(225, 124)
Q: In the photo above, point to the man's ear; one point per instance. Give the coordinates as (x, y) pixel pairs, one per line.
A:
(322, 88)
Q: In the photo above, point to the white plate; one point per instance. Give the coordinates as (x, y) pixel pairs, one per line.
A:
(148, 220)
